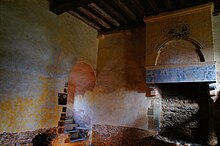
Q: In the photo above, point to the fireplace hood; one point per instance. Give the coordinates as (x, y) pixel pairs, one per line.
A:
(179, 47)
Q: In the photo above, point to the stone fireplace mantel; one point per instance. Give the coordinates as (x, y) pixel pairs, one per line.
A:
(195, 72)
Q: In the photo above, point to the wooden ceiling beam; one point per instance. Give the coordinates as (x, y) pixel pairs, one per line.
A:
(94, 17)
(114, 12)
(133, 6)
(108, 16)
(127, 11)
(60, 6)
(139, 5)
(77, 15)
(104, 14)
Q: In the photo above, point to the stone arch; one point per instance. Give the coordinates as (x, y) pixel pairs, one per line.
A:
(179, 51)
(81, 79)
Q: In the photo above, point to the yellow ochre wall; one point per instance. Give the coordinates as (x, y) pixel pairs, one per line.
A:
(37, 51)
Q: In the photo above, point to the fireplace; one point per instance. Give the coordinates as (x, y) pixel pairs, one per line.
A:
(185, 111)
(181, 73)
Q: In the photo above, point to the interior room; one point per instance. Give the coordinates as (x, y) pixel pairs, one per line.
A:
(109, 73)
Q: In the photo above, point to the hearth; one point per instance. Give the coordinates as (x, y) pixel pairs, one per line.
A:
(185, 111)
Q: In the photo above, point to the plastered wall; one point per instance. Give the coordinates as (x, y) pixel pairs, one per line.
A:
(216, 36)
(118, 98)
(37, 51)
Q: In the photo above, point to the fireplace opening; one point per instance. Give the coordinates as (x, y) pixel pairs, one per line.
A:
(185, 111)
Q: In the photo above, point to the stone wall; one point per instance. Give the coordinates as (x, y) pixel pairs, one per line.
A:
(38, 49)
(185, 112)
(179, 118)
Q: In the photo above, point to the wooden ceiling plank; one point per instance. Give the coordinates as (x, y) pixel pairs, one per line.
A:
(94, 17)
(125, 27)
(153, 5)
(183, 2)
(104, 14)
(133, 6)
(123, 6)
(75, 14)
(114, 12)
(199, 1)
(139, 5)
(61, 6)
(168, 4)
(59, 9)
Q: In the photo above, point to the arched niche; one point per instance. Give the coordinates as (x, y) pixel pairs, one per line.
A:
(179, 51)
(81, 79)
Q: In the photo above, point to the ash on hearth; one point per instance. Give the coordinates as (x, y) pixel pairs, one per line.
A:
(43, 139)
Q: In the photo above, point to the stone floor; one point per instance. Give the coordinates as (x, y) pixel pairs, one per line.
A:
(64, 140)
(102, 135)
(25, 138)
(107, 135)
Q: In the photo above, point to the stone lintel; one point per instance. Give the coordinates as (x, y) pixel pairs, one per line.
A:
(203, 72)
